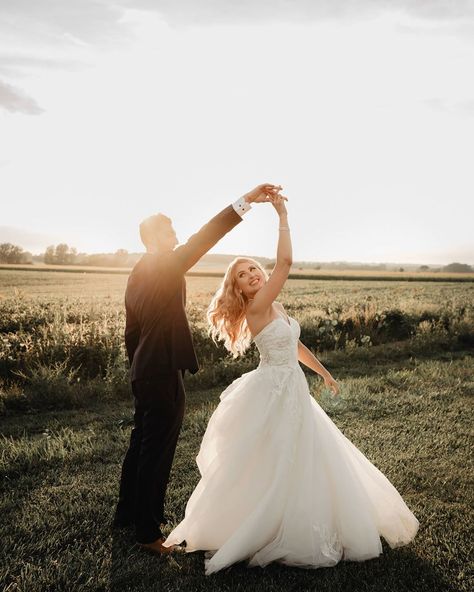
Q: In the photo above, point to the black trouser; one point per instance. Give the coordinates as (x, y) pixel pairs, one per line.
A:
(159, 411)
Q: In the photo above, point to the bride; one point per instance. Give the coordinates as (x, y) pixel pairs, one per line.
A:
(279, 481)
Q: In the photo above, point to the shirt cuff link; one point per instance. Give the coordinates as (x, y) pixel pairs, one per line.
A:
(241, 206)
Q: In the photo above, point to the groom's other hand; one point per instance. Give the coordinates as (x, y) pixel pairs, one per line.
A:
(262, 193)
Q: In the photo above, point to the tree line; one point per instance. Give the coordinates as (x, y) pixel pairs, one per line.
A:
(14, 254)
(63, 254)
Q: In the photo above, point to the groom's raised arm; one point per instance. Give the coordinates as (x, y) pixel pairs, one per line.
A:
(200, 243)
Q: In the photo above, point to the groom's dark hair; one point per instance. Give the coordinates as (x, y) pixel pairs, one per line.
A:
(151, 227)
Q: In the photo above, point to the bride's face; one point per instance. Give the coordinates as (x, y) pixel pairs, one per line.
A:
(249, 278)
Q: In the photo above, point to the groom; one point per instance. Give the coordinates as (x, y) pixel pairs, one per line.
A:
(160, 349)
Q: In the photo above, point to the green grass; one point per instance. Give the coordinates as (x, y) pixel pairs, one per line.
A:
(60, 472)
(406, 402)
(61, 334)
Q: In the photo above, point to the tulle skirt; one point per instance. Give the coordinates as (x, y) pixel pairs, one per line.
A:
(280, 482)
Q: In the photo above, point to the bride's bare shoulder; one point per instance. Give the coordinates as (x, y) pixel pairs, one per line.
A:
(253, 312)
(256, 318)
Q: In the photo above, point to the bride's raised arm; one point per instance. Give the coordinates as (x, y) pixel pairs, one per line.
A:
(267, 294)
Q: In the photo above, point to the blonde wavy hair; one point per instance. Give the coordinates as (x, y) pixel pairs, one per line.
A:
(226, 312)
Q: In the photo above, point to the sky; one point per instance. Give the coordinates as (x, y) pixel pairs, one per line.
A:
(363, 110)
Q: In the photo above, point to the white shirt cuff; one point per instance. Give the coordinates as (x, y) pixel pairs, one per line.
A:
(241, 206)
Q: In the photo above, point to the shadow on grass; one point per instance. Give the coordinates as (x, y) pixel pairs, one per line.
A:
(396, 570)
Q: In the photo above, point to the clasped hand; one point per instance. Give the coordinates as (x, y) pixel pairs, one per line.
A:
(264, 193)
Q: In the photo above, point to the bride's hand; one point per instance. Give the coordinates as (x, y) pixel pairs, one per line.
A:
(331, 384)
(278, 202)
(262, 193)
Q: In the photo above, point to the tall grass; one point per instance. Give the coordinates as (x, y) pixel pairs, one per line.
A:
(63, 350)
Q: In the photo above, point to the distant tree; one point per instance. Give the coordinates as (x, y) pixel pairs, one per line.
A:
(49, 255)
(423, 268)
(11, 253)
(401, 269)
(99, 260)
(71, 256)
(120, 258)
(62, 254)
(27, 257)
(457, 268)
(81, 258)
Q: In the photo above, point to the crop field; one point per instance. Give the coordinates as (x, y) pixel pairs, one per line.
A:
(401, 351)
(62, 332)
(297, 272)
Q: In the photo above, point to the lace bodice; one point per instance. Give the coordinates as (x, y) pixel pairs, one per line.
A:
(277, 343)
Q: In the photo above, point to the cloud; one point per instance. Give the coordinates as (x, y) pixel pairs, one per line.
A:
(67, 26)
(101, 21)
(232, 12)
(13, 99)
(34, 33)
(10, 63)
(465, 107)
(456, 28)
(56, 21)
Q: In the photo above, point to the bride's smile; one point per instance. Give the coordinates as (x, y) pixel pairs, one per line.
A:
(249, 278)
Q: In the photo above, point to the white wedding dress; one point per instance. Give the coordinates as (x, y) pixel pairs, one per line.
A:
(279, 481)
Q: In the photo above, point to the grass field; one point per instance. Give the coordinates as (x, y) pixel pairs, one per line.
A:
(406, 402)
(296, 272)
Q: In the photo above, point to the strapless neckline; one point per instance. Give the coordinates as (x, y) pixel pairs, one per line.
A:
(279, 318)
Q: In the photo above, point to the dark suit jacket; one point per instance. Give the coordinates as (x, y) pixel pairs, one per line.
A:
(157, 334)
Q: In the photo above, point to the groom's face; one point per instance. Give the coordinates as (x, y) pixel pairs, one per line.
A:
(167, 236)
(157, 233)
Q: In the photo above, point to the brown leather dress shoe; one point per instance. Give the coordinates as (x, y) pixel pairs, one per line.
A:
(157, 547)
